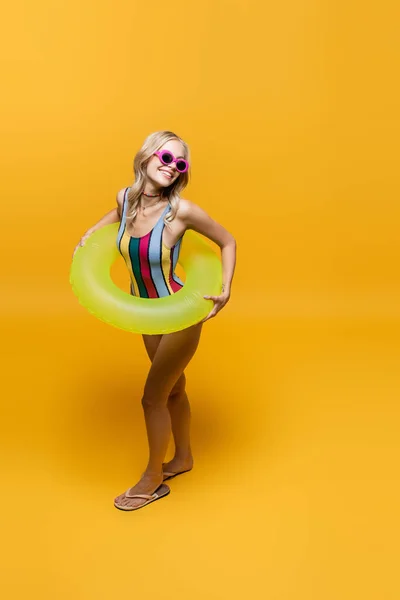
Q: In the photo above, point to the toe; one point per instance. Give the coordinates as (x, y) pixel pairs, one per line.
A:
(119, 498)
(132, 502)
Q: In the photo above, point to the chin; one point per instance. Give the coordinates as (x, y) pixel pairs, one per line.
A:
(166, 185)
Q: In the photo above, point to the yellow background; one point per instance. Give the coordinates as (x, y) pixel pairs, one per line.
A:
(291, 113)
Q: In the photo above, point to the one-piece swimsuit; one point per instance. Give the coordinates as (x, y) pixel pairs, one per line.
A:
(150, 263)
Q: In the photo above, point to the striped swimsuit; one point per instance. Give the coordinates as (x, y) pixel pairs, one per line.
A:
(150, 263)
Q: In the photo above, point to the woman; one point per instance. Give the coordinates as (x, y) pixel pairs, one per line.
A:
(153, 219)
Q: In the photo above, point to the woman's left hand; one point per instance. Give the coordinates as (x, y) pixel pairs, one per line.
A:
(219, 302)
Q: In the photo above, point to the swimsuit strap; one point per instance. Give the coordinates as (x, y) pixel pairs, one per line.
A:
(124, 207)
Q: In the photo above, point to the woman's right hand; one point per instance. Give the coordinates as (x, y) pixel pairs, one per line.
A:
(82, 241)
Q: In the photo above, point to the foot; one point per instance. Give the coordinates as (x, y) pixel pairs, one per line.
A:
(178, 465)
(147, 485)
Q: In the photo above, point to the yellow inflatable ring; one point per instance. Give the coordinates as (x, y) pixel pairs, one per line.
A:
(92, 284)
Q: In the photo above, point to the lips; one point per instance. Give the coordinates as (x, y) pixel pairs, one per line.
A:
(166, 173)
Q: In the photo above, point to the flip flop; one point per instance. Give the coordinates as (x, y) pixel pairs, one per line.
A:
(162, 490)
(170, 475)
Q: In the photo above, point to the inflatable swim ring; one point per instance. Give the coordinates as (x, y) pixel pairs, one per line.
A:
(92, 284)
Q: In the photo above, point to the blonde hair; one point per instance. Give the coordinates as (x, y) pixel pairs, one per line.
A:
(154, 142)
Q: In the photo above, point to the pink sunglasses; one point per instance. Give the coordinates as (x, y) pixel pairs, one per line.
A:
(168, 158)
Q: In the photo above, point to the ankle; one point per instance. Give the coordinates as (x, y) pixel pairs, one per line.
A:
(153, 474)
(183, 457)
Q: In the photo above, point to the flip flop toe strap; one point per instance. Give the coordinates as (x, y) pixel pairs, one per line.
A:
(145, 496)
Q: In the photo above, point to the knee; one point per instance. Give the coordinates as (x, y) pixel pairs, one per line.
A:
(150, 400)
(178, 388)
(154, 395)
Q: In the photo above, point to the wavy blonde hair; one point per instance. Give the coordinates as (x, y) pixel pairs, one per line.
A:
(152, 143)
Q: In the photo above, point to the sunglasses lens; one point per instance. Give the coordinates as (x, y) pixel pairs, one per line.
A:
(181, 165)
(167, 158)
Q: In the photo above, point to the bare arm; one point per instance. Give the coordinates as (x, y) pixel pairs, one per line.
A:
(114, 216)
(110, 217)
(196, 218)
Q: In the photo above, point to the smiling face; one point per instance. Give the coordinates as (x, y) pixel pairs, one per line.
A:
(163, 175)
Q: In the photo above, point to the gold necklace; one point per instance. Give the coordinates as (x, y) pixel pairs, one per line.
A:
(149, 206)
(144, 207)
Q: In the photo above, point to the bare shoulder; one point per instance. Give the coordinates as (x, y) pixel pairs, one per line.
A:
(190, 212)
(120, 200)
(197, 219)
(185, 208)
(120, 196)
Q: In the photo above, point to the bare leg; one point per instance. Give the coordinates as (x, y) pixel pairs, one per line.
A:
(173, 354)
(179, 410)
